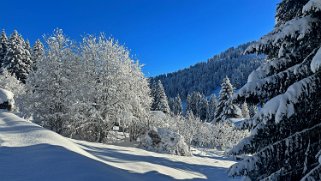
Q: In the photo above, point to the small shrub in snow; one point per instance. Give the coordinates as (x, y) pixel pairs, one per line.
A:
(164, 140)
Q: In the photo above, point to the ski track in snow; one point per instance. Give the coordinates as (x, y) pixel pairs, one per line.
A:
(30, 152)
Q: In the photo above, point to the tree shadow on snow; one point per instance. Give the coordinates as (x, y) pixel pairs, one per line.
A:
(113, 155)
(50, 162)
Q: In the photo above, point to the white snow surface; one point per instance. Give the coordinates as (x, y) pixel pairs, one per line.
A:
(312, 5)
(316, 62)
(30, 152)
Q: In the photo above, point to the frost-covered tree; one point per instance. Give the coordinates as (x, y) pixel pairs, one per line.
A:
(17, 59)
(160, 102)
(285, 142)
(225, 108)
(120, 88)
(189, 127)
(3, 46)
(212, 104)
(49, 87)
(245, 110)
(83, 91)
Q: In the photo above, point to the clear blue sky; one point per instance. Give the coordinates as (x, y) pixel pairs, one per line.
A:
(165, 35)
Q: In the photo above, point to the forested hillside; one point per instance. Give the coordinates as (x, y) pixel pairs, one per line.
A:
(204, 77)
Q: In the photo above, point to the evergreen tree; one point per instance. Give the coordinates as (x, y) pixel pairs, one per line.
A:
(212, 104)
(17, 59)
(3, 46)
(285, 142)
(37, 53)
(245, 110)
(252, 110)
(160, 102)
(37, 50)
(176, 107)
(198, 105)
(224, 108)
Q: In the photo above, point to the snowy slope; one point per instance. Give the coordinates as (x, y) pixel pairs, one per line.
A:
(30, 152)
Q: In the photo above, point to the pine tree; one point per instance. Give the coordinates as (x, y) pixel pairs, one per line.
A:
(245, 110)
(212, 104)
(176, 105)
(252, 110)
(17, 59)
(37, 52)
(198, 105)
(225, 108)
(3, 47)
(285, 142)
(160, 102)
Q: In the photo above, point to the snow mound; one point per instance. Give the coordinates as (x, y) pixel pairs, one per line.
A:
(6, 97)
(163, 140)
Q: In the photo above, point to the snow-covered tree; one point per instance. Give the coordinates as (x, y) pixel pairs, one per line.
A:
(189, 127)
(83, 91)
(245, 110)
(225, 107)
(3, 46)
(212, 104)
(112, 88)
(160, 102)
(285, 142)
(17, 59)
(37, 51)
(49, 87)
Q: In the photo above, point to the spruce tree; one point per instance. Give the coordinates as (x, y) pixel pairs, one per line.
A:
(224, 106)
(212, 104)
(252, 110)
(17, 59)
(3, 46)
(177, 105)
(285, 142)
(198, 105)
(37, 52)
(245, 110)
(160, 102)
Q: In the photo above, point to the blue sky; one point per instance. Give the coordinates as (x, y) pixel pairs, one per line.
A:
(165, 35)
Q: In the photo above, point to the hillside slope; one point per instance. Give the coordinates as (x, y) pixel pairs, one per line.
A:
(204, 77)
(30, 152)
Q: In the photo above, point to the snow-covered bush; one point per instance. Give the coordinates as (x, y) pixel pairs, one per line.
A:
(219, 135)
(164, 140)
(197, 133)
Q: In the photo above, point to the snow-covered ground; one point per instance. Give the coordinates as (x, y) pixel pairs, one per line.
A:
(30, 152)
